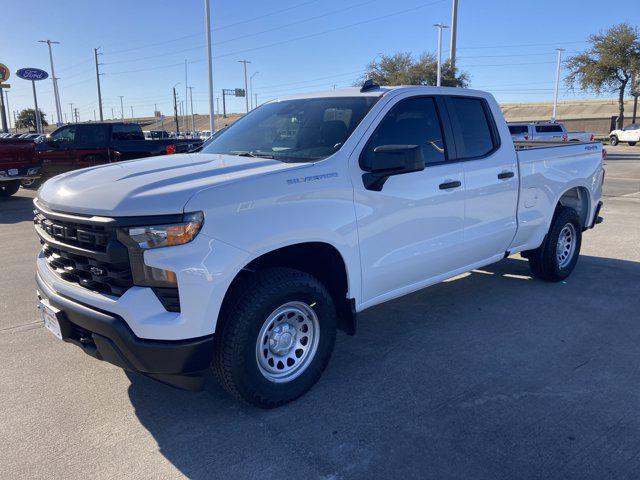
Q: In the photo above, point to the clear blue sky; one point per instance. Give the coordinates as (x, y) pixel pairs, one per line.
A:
(507, 47)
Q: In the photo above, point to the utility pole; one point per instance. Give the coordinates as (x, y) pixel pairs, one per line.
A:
(6, 95)
(224, 104)
(94, 115)
(95, 53)
(207, 15)
(71, 108)
(185, 112)
(454, 33)
(77, 115)
(54, 79)
(439, 26)
(635, 93)
(3, 114)
(15, 127)
(218, 115)
(175, 109)
(121, 108)
(555, 96)
(37, 109)
(193, 118)
(131, 112)
(246, 98)
(255, 96)
(112, 115)
(250, 93)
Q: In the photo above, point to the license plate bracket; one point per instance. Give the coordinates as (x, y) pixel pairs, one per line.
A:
(49, 316)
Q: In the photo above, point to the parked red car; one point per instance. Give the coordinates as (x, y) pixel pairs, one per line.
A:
(18, 163)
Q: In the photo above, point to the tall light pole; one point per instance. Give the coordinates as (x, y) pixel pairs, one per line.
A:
(131, 112)
(251, 87)
(217, 110)
(246, 98)
(207, 20)
(121, 108)
(54, 79)
(6, 96)
(193, 118)
(95, 53)
(454, 33)
(439, 26)
(186, 94)
(555, 96)
(71, 107)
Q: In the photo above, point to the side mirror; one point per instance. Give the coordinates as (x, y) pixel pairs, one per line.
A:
(388, 160)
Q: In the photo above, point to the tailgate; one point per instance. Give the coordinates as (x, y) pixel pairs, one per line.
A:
(15, 153)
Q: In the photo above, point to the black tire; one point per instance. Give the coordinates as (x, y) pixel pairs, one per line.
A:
(543, 261)
(613, 140)
(252, 302)
(632, 144)
(32, 183)
(9, 188)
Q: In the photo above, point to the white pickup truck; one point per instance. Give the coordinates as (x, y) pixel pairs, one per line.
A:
(546, 132)
(247, 256)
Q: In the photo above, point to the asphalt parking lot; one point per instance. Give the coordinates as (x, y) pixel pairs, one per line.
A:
(492, 375)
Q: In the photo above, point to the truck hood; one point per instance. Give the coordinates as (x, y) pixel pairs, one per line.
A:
(150, 186)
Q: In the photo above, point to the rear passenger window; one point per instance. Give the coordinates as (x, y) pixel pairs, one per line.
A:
(127, 131)
(475, 132)
(411, 122)
(548, 129)
(518, 129)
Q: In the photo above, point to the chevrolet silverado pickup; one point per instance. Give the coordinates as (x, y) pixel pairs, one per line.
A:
(18, 163)
(246, 257)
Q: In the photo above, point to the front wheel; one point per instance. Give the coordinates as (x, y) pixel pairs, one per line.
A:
(32, 183)
(275, 337)
(9, 188)
(613, 140)
(555, 259)
(632, 144)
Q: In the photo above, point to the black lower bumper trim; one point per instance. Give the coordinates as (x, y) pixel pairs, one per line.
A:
(107, 337)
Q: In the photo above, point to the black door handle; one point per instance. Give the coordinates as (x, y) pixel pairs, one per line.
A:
(505, 175)
(449, 185)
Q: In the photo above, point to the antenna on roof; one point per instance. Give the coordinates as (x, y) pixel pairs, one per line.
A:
(369, 85)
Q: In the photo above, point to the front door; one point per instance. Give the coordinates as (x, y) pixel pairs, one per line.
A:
(411, 231)
(91, 145)
(56, 151)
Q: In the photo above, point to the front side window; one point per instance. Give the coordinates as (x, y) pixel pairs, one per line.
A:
(475, 133)
(300, 130)
(518, 129)
(413, 121)
(64, 135)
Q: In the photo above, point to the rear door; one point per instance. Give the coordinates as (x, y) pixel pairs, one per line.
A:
(490, 179)
(91, 145)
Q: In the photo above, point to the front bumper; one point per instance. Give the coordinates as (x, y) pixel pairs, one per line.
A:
(105, 336)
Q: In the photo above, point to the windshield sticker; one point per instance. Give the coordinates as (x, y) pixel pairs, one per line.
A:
(312, 178)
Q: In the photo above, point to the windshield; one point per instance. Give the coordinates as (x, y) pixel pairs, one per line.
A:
(294, 130)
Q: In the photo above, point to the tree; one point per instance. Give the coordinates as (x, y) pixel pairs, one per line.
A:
(608, 64)
(27, 119)
(403, 68)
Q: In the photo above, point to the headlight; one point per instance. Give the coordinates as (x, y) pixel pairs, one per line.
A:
(156, 236)
(139, 239)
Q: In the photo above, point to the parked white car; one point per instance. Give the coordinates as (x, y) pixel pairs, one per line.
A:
(247, 257)
(546, 132)
(629, 134)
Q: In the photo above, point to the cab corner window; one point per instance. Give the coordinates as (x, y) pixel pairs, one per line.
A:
(476, 137)
(413, 121)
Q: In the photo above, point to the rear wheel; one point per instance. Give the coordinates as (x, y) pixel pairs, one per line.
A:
(32, 183)
(9, 188)
(555, 259)
(632, 144)
(275, 337)
(613, 140)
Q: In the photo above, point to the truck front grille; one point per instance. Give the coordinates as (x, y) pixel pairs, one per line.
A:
(84, 253)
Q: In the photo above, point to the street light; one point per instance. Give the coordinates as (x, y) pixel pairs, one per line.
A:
(207, 15)
(246, 99)
(555, 97)
(439, 26)
(251, 88)
(54, 79)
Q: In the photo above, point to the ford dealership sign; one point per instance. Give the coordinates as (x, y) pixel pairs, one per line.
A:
(32, 74)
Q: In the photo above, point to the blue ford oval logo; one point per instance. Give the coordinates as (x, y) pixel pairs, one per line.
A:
(32, 74)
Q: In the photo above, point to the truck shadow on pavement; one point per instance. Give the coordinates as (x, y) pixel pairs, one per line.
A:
(492, 374)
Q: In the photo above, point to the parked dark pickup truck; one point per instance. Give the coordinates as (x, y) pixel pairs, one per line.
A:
(18, 163)
(83, 145)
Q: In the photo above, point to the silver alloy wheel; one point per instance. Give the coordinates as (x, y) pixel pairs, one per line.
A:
(566, 245)
(287, 342)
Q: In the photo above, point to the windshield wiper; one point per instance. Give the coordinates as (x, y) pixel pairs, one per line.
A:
(247, 153)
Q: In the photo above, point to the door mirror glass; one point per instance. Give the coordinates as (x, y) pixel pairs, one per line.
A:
(388, 160)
